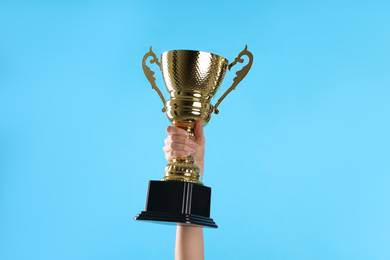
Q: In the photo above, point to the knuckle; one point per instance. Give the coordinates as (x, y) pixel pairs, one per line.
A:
(175, 138)
(170, 129)
(169, 159)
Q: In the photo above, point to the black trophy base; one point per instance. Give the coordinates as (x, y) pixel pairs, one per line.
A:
(178, 201)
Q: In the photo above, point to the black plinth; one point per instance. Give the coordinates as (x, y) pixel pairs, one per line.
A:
(178, 201)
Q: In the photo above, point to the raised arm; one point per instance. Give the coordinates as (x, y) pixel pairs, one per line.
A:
(189, 238)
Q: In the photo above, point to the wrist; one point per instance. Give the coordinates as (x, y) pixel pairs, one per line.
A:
(200, 164)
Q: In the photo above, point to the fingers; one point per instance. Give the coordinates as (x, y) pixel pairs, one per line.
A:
(172, 130)
(181, 151)
(177, 144)
(179, 147)
(177, 139)
(169, 156)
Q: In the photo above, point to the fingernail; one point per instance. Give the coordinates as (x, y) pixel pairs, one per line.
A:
(192, 143)
(185, 133)
(192, 150)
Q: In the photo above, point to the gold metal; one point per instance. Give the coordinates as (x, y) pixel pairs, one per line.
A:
(149, 73)
(240, 74)
(192, 78)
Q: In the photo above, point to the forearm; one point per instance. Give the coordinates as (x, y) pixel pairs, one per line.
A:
(189, 239)
(189, 243)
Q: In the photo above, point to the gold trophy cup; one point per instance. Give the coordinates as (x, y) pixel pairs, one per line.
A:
(192, 78)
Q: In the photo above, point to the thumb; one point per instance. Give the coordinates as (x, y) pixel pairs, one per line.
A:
(199, 132)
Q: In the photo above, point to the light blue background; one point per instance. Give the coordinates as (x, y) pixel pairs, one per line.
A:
(298, 158)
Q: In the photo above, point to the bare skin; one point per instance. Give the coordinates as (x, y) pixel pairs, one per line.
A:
(189, 239)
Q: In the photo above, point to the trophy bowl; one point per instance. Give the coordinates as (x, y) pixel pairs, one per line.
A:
(192, 78)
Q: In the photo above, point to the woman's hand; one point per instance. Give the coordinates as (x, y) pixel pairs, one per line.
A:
(178, 145)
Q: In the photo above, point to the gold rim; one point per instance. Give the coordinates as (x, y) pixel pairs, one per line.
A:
(204, 52)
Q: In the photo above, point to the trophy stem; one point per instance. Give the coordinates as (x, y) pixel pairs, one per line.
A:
(183, 168)
(189, 127)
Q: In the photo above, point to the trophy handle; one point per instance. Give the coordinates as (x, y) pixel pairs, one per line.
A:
(149, 73)
(240, 74)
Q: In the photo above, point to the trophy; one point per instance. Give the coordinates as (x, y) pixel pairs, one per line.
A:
(192, 78)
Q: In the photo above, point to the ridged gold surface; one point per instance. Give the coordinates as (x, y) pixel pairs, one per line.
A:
(188, 110)
(182, 172)
(191, 78)
(196, 73)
